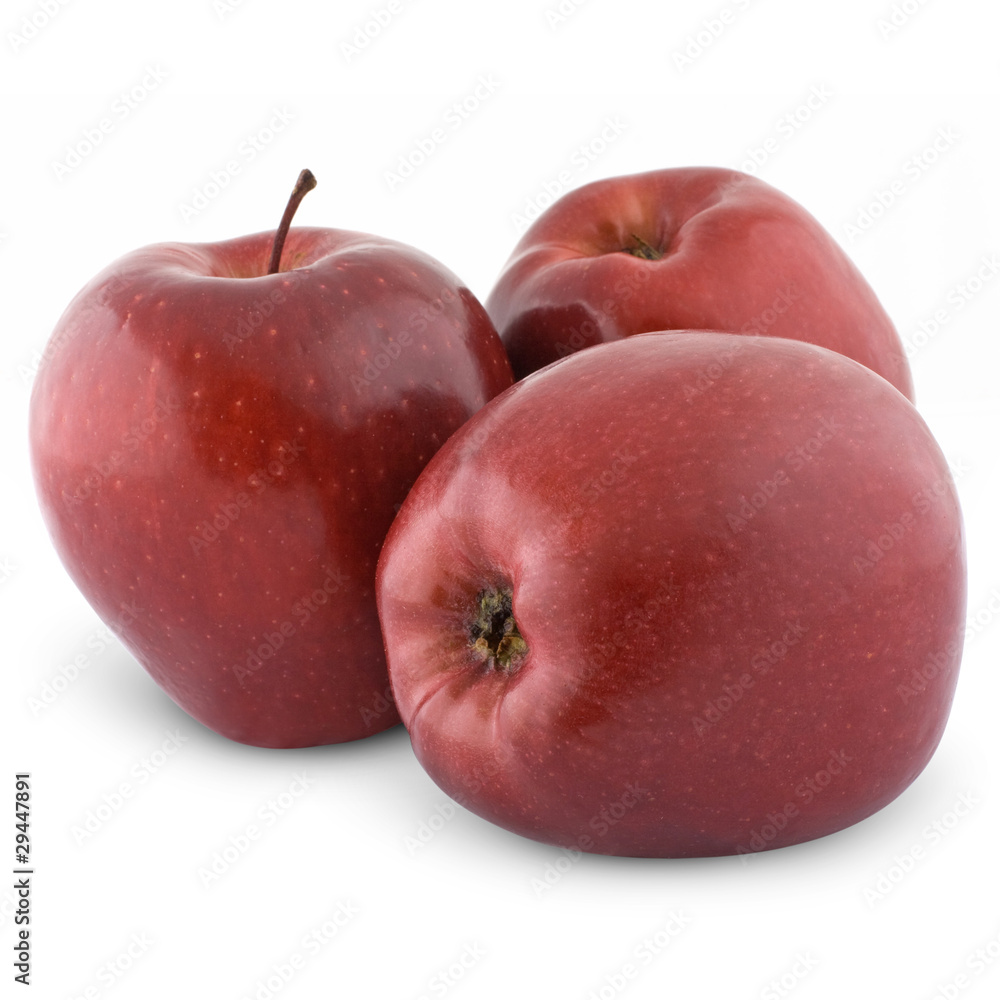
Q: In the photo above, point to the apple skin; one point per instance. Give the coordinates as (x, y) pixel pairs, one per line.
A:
(218, 454)
(739, 256)
(743, 600)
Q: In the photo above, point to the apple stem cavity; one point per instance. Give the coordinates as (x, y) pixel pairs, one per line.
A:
(494, 636)
(643, 249)
(303, 186)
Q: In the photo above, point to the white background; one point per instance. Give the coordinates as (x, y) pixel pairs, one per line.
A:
(123, 911)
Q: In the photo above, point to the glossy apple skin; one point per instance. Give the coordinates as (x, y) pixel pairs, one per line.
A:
(218, 454)
(740, 256)
(743, 598)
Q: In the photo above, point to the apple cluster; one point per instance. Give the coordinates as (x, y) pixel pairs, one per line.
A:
(645, 551)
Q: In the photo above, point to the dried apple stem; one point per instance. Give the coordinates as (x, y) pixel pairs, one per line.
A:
(643, 249)
(303, 186)
(494, 636)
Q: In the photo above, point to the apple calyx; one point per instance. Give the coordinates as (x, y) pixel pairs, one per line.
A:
(303, 186)
(494, 637)
(643, 249)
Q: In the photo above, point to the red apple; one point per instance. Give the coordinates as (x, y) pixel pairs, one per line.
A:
(631, 608)
(696, 248)
(219, 450)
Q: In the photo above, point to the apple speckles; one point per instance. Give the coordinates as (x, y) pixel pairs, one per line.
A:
(278, 540)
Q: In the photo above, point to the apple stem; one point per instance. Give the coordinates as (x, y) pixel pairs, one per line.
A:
(643, 249)
(303, 186)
